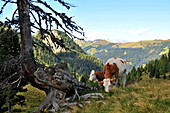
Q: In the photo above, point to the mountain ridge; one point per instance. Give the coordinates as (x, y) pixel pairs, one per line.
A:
(105, 42)
(135, 53)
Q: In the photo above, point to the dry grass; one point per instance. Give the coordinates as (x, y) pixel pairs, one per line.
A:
(34, 97)
(149, 95)
(145, 96)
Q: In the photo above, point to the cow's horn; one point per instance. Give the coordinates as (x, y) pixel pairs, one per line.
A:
(113, 79)
(101, 82)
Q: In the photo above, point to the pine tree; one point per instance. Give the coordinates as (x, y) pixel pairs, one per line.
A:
(151, 72)
(164, 76)
(157, 73)
(169, 56)
(133, 74)
(168, 67)
(138, 74)
(9, 48)
(128, 78)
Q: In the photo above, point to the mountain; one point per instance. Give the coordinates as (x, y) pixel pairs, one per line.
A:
(135, 53)
(78, 61)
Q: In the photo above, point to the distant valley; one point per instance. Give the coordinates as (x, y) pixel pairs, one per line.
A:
(135, 53)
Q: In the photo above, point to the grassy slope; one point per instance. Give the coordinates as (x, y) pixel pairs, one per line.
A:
(150, 95)
(34, 97)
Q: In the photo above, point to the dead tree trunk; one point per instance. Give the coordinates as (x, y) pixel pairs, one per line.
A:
(25, 30)
(56, 81)
(28, 63)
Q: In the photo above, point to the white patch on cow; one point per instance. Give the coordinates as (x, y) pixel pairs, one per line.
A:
(92, 76)
(107, 85)
(121, 66)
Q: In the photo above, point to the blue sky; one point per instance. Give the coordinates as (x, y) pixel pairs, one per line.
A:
(115, 20)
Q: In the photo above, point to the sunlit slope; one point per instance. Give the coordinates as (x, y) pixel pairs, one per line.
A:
(150, 95)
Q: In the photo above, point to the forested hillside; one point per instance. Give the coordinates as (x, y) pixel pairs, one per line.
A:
(135, 53)
(158, 68)
(77, 59)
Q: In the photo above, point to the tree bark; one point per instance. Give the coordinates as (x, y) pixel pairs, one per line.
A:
(25, 30)
(27, 56)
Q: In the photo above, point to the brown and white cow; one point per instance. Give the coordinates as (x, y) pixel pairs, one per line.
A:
(114, 67)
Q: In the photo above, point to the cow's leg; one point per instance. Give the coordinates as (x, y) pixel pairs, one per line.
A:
(116, 82)
(124, 80)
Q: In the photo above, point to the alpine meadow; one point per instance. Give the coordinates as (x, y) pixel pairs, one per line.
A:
(49, 65)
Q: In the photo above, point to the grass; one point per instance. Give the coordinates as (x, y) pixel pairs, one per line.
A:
(145, 96)
(148, 95)
(34, 97)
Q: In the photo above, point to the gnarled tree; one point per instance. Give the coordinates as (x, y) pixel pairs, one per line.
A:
(56, 81)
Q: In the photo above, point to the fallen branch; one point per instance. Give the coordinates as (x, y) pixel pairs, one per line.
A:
(92, 95)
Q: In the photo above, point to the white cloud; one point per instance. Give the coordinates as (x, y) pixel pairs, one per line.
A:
(142, 31)
(139, 32)
(119, 35)
(168, 36)
(93, 34)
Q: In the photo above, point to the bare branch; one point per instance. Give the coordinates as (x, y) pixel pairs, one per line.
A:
(69, 24)
(92, 95)
(67, 5)
(5, 83)
(6, 2)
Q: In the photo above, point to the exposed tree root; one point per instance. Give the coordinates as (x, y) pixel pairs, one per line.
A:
(92, 95)
(56, 102)
(62, 88)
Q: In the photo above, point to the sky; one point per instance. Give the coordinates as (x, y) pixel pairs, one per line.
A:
(117, 20)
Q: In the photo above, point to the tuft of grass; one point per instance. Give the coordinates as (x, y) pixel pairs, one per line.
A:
(33, 98)
(151, 95)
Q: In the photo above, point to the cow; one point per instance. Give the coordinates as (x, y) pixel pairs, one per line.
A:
(114, 67)
(97, 76)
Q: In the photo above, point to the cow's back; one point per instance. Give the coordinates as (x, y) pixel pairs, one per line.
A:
(120, 63)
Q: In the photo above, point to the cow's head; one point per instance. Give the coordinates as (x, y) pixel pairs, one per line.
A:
(107, 84)
(110, 70)
(92, 76)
